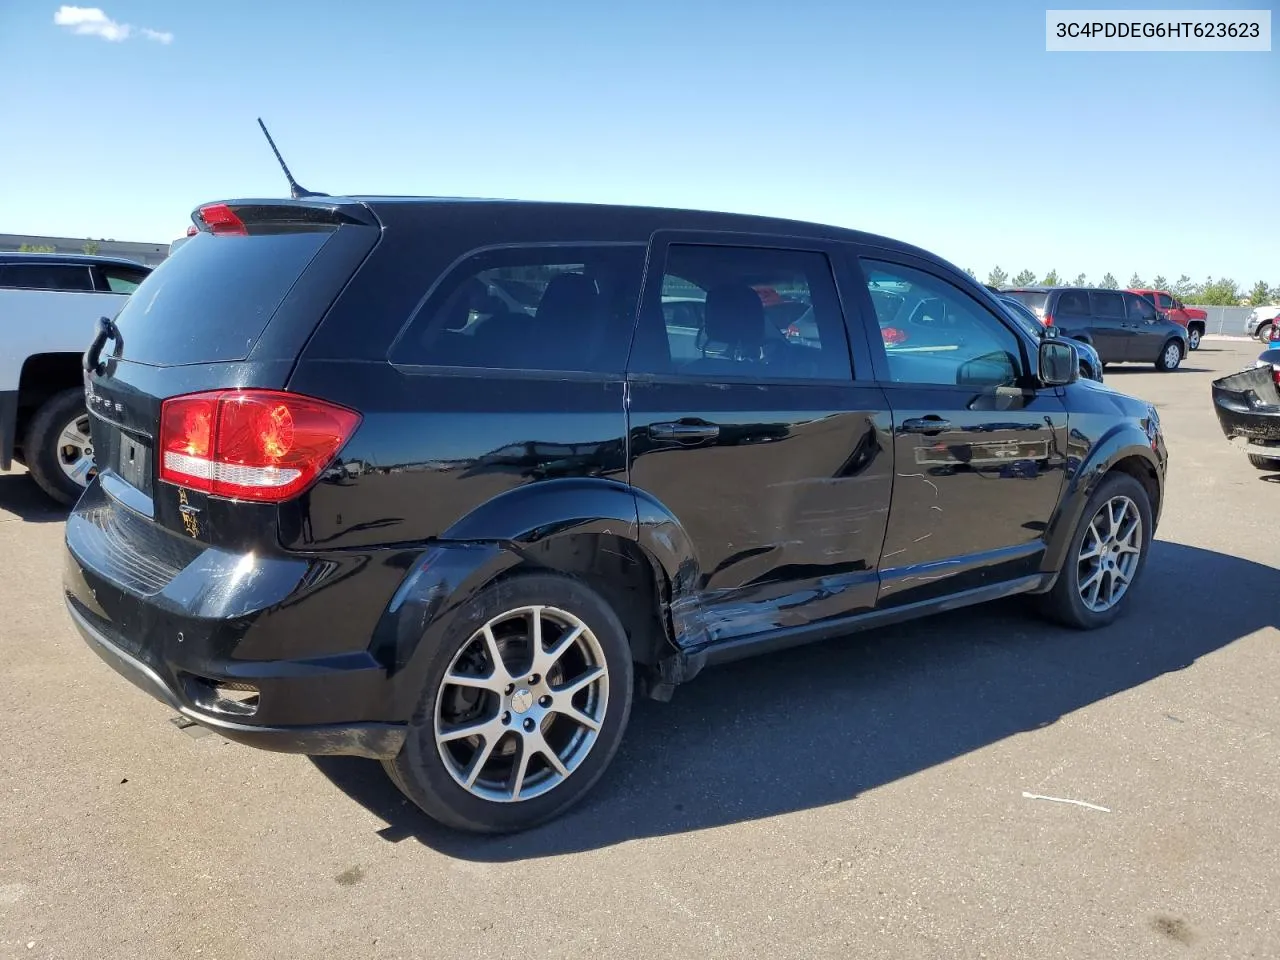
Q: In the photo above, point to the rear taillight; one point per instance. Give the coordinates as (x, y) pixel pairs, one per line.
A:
(1047, 319)
(221, 219)
(892, 335)
(250, 444)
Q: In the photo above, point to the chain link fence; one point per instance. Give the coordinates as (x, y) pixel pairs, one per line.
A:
(1227, 320)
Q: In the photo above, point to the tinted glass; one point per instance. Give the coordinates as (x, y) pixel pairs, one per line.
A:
(1027, 320)
(122, 279)
(934, 332)
(1164, 301)
(745, 312)
(564, 308)
(1140, 308)
(1074, 303)
(1107, 303)
(1033, 299)
(212, 302)
(46, 276)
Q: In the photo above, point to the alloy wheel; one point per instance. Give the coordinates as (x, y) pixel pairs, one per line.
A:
(75, 451)
(521, 704)
(1109, 554)
(1193, 339)
(1172, 355)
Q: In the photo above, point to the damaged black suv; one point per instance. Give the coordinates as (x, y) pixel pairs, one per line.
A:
(447, 482)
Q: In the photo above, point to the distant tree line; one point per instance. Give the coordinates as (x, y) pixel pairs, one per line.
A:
(91, 247)
(1212, 293)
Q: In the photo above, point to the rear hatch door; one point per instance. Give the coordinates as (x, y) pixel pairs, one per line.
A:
(232, 308)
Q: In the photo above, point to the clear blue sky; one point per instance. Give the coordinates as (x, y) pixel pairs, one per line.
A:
(942, 124)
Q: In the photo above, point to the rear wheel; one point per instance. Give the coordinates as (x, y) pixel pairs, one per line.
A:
(1265, 463)
(58, 448)
(1107, 553)
(1170, 356)
(522, 709)
(1193, 338)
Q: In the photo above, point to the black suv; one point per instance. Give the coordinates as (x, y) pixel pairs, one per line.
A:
(1120, 326)
(442, 482)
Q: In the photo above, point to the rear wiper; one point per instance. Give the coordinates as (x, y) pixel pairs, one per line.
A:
(296, 190)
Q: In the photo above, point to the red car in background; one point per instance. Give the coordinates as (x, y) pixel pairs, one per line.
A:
(1192, 318)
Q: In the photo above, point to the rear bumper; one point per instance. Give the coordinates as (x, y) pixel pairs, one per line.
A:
(375, 740)
(218, 636)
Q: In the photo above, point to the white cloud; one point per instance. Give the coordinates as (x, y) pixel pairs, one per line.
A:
(91, 21)
(94, 22)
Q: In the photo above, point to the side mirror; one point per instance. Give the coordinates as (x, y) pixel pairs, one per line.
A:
(1059, 363)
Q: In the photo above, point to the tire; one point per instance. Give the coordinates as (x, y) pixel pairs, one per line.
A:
(1263, 332)
(44, 454)
(1265, 463)
(1064, 603)
(1193, 338)
(1168, 362)
(436, 784)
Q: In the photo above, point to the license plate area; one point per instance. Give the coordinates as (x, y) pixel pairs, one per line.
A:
(133, 462)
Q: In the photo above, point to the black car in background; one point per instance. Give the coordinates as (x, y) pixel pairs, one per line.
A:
(355, 496)
(1090, 362)
(1121, 326)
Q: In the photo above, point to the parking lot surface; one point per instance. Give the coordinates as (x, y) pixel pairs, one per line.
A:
(864, 797)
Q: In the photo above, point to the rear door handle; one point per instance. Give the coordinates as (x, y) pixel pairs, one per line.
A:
(684, 431)
(927, 425)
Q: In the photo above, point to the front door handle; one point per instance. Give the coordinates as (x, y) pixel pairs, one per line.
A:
(929, 425)
(684, 431)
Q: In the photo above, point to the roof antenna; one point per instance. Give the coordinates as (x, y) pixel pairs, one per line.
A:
(296, 190)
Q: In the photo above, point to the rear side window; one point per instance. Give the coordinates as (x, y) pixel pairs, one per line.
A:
(1106, 303)
(753, 312)
(564, 308)
(212, 302)
(46, 276)
(1074, 303)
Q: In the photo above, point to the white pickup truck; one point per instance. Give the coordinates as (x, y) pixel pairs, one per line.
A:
(49, 307)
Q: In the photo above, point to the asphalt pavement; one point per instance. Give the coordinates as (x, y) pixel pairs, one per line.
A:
(865, 797)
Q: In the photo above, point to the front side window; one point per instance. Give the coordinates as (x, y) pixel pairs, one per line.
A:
(935, 333)
(753, 312)
(122, 279)
(1140, 308)
(565, 308)
(1164, 301)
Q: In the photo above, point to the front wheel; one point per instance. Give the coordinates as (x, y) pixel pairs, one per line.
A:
(58, 448)
(1107, 553)
(1193, 338)
(1264, 463)
(1170, 356)
(522, 708)
(1263, 332)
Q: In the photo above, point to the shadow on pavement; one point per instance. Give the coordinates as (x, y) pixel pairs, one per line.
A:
(20, 496)
(824, 723)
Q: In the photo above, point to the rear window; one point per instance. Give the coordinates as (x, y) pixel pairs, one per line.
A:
(1033, 300)
(212, 300)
